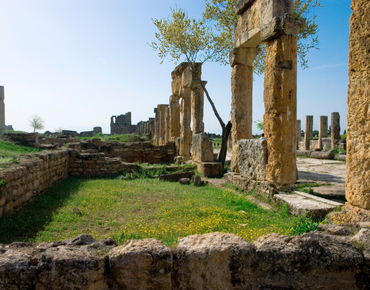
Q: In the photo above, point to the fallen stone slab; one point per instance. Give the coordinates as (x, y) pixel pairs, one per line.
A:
(304, 203)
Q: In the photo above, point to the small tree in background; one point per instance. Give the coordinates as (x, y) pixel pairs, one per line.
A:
(37, 123)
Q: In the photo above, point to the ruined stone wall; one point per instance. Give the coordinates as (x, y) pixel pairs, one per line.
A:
(121, 124)
(31, 139)
(315, 260)
(33, 174)
(97, 164)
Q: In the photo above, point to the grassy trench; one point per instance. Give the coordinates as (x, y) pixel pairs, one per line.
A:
(143, 208)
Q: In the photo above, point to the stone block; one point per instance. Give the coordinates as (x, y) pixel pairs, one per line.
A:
(210, 169)
(212, 261)
(252, 159)
(202, 150)
(304, 203)
(141, 264)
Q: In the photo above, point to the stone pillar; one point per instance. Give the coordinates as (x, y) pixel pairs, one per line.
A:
(358, 116)
(2, 110)
(335, 128)
(298, 132)
(197, 98)
(280, 118)
(241, 60)
(308, 132)
(174, 117)
(161, 109)
(323, 129)
(185, 133)
(197, 107)
(167, 120)
(156, 127)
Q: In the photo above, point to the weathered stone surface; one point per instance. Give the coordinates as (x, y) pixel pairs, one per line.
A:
(212, 261)
(175, 177)
(311, 261)
(323, 129)
(54, 266)
(141, 264)
(279, 120)
(196, 180)
(304, 203)
(252, 159)
(308, 132)
(185, 132)
(315, 260)
(202, 150)
(299, 134)
(184, 181)
(174, 117)
(210, 169)
(241, 99)
(335, 128)
(323, 154)
(334, 229)
(358, 117)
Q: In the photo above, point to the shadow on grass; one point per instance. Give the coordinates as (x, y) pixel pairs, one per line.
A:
(23, 224)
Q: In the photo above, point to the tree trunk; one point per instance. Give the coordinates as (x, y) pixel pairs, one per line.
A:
(225, 136)
(225, 129)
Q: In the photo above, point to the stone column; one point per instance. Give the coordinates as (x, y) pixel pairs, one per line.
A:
(197, 107)
(156, 127)
(241, 60)
(308, 132)
(298, 132)
(323, 129)
(2, 110)
(358, 116)
(335, 128)
(197, 98)
(185, 132)
(168, 125)
(174, 117)
(280, 118)
(161, 123)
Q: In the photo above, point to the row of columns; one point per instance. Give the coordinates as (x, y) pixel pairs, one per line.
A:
(323, 130)
(173, 120)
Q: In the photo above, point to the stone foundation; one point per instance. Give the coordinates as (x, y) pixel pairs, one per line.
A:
(33, 174)
(316, 260)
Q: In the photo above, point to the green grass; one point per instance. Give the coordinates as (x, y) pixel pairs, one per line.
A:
(118, 137)
(9, 150)
(139, 209)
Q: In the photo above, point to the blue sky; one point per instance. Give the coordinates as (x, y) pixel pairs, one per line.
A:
(78, 62)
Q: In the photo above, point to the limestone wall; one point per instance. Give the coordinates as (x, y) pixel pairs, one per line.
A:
(34, 173)
(31, 139)
(30, 177)
(97, 164)
(316, 260)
